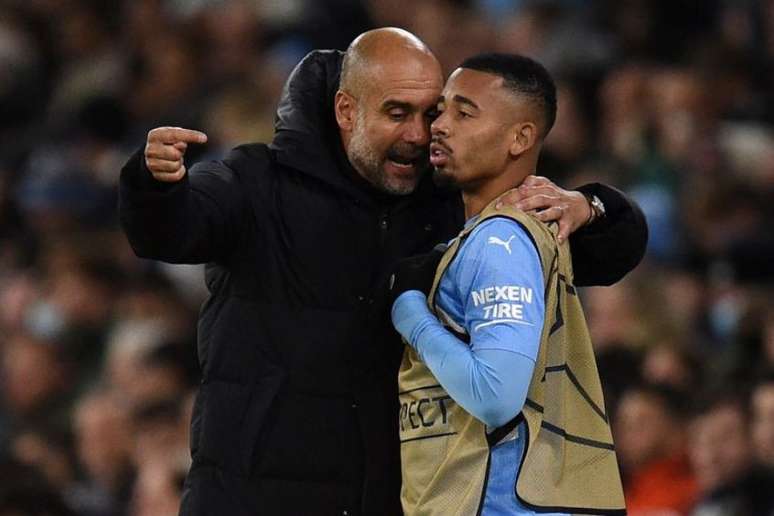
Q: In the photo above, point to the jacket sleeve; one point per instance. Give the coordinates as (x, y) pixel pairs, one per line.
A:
(608, 249)
(194, 220)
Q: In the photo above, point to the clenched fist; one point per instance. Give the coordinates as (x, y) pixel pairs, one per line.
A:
(165, 149)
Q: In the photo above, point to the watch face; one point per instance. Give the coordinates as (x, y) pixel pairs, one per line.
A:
(597, 205)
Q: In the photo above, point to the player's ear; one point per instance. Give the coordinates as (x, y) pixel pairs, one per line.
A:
(525, 136)
(345, 109)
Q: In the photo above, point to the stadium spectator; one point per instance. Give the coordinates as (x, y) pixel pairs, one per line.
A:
(721, 455)
(103, 434)
(650, 438)
(762, 423)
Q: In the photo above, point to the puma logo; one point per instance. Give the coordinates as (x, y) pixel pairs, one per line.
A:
(497, 241)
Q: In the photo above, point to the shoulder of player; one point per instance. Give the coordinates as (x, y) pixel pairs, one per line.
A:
(501, 228)
(500, 237)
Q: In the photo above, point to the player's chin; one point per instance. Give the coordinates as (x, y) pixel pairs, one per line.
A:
(443, 177)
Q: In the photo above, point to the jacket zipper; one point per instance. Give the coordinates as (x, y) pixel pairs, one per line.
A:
(384, 226)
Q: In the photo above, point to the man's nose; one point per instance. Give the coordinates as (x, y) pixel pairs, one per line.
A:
(439, 126)
(418, 131)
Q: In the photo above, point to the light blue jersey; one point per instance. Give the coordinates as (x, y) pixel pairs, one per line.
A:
(492, 291)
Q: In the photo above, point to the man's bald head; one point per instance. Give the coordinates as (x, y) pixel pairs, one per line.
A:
(378, 49)
(390, 83)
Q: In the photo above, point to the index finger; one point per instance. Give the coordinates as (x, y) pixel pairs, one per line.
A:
(172, 135)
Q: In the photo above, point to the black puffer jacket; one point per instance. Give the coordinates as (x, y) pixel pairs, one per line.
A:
(297, 409)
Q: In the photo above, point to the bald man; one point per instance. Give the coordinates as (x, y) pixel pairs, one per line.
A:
(296, 413)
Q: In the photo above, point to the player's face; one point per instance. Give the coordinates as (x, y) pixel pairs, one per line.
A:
(471, 135)
(391, 133)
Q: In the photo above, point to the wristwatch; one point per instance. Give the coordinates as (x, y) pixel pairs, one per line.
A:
(597, 208)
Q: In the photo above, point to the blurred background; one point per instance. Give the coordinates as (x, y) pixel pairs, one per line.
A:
(670, 100)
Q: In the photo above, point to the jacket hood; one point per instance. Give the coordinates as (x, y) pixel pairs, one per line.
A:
(306, 135)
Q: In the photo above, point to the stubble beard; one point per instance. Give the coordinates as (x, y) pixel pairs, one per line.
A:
(371, 166)
(443, 179)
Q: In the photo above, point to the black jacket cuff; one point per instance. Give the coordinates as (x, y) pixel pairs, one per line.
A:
(609, 248)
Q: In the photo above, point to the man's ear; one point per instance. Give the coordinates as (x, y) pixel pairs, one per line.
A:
(525, 136)
(344, 107)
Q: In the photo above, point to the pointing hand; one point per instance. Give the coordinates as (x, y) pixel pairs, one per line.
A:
(165, 149)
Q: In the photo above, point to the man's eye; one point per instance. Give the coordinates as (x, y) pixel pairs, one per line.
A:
(433, 114)
(463, 114)
(397, 115)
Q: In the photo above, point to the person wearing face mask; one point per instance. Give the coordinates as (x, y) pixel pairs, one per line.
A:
(296, 410)
(502, 410)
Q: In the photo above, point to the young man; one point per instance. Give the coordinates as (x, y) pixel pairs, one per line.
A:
(501, 404)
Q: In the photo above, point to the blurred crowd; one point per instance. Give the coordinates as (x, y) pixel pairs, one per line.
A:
(670, 100)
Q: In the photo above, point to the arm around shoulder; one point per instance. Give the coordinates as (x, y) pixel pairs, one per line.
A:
(609, 248)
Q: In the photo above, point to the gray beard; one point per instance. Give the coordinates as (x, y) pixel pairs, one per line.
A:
(364, 160)
(370, 166)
